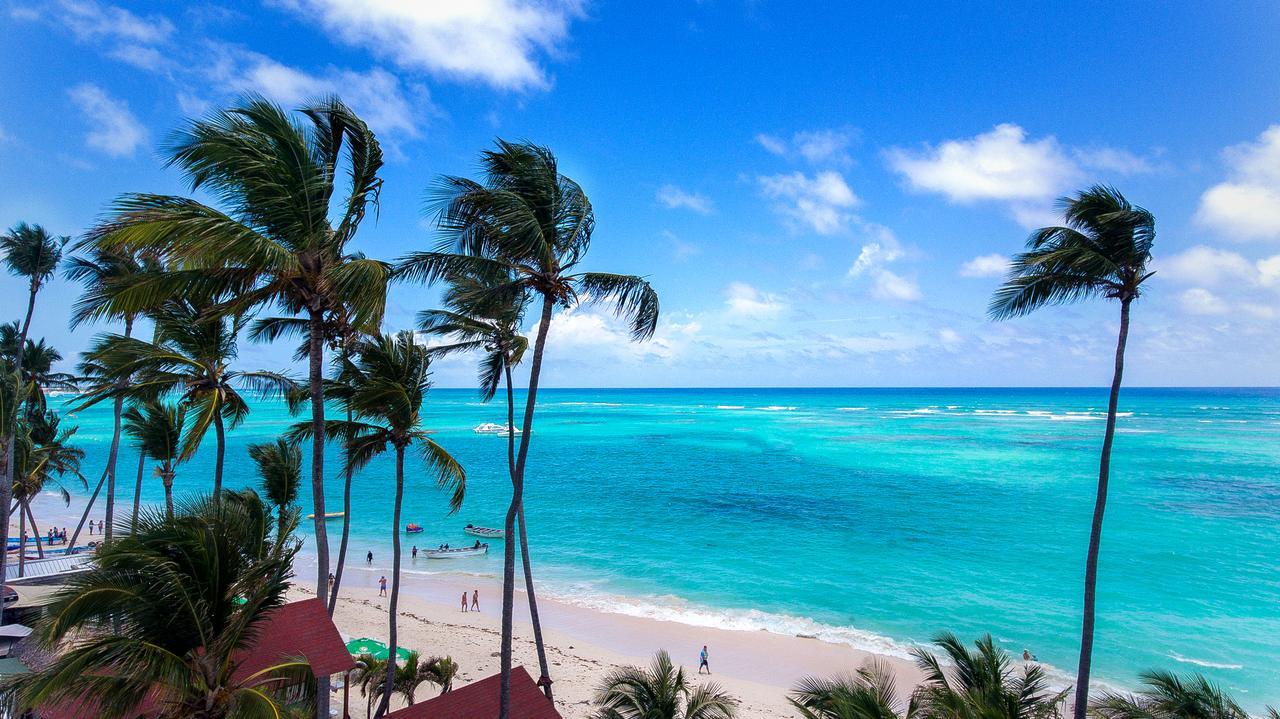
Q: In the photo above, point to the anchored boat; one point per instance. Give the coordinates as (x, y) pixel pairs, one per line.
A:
(412, 528)
(329, 515)
(491, 428)
(457, 552)
(486, 532)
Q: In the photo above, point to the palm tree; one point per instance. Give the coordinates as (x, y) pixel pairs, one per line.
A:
(870, 693)
(185, 595)
(1102, 251)
(43, 454)
(156, 428)
(1165, 695)
(191, 358)
(29, 252)
(388, 384)
(980, 684)
(532, 224)
(413, 673)
(280, 466)
(275, 244)
(370, 674)
(660, 692)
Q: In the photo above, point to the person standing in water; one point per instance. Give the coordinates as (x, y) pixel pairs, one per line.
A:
(475, 600)
(702, 661)
(368, 558)
(464, 600)
(415, 551)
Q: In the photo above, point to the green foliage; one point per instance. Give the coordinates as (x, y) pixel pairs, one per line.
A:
(980, 684)
(31, 252)
(662, 691)
(43, 454)
(870, 693)
(1165, 695)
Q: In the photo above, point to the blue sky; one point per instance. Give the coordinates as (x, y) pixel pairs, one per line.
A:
(822, 195)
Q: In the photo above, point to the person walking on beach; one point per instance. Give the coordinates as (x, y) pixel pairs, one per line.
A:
(464, 600)
(99, 526)
(382, 587)
(475, 600)
(368, 558)
(702, 661)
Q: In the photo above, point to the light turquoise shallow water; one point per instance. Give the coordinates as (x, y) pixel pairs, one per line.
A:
(874, 517)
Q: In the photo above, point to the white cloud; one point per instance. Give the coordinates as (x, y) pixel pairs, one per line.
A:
(949, 337)
(112, 128)
(985, 266)
(680, 250)
(674, 197)
(891, 286)
(1111, 159)
(1247, 205)
(1199, 301)
(376, 95)
(90, 20)
(141, 56)
(820, 202)
(871, 262)
(1201, 265)
(875, 254)
(1269, 271)
(499, 42)
(819, 147)
(745, 301)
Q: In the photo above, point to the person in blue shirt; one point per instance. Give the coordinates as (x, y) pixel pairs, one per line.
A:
(702, 661)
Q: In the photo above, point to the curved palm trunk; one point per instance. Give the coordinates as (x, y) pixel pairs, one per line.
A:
(315, 357)
(137, 494)
(346, 527)
(11, 422)
(395, 585)
(221, 434)
(517, 499)
(35, 531)
(1095, 534)
(111, 471)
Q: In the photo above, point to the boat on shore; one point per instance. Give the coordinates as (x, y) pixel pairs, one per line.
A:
(457, 552)
(485, 532)
(491, 428)
(328, 515)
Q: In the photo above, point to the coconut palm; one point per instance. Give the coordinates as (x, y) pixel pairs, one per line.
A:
(43, 456)
(280, 240)
(156, 428)
(528, 222)
(662, 691)
(870, 693)
(1102, 251)
(181, 597)
(280, 467)
(191, 359)
(370, 674)
(1165, 695)
(32, 253)
(409, 676)
(386, 389)
(980, 684)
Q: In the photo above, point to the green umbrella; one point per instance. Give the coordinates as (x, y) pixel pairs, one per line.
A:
(374, 648)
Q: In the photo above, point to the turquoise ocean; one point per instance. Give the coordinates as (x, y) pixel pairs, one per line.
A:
(875, 517)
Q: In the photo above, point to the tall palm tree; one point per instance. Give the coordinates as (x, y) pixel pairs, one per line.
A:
(869, 693)
(530, 223)
(1165, 695)
(191, 358)
(660, 692)
(43, 455)
(156, 428)
(1102, 250)
(32, 253)
(185, 595)
(980, 683)
(275, 244)
(280, 467)
(388, 384)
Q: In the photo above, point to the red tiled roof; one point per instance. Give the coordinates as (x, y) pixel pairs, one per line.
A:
(479, 700)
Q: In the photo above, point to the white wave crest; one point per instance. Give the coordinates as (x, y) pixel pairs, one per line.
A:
(1202, 663)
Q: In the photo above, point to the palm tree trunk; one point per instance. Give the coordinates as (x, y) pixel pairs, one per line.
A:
(315, 357)
(22, 540)
(35, 531)
(1095, 534)
(395, 585)
(221, 434)
(517, 499)
(137, 494)
(9, 430)
(347, 472)
(111, 470)
(166, 476)
(544, 679)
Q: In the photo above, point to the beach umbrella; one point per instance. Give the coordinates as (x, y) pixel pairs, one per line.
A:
(374, 648)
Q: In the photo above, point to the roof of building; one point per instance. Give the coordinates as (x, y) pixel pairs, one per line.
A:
(479, 700)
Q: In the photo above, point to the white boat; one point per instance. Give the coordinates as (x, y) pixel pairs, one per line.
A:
(486, 532)
(457, 552)
(491, 428)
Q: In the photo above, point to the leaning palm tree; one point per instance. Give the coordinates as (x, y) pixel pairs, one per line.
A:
(387, 388)
(1165, 695)
(32, 253)
(530, 223)
(280, 241)
(156, 428)
(1102, 250)
(660, 692)
(191, 358)
(280, 467)
(163, 616)
(44, 456)
(869, 693)
(980, 684)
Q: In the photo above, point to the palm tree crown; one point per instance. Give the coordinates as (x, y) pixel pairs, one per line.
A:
(156, 429)
(280, 467)
(870, 693)
(980, 683)
(1165, 695)
(662, 691)
(31, 252)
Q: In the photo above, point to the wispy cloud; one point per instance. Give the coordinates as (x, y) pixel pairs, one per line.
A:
(820, 202)
(90, 20)
(818, 147)
(113, 130)
(985, 266)
(676, 198)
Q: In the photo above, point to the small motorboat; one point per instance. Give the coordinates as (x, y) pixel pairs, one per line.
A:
(491, 428)
(486, 532)
(329, 515)
(457, 552)
(412, 528)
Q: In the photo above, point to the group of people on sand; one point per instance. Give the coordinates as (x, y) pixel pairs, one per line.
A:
(101, 527)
